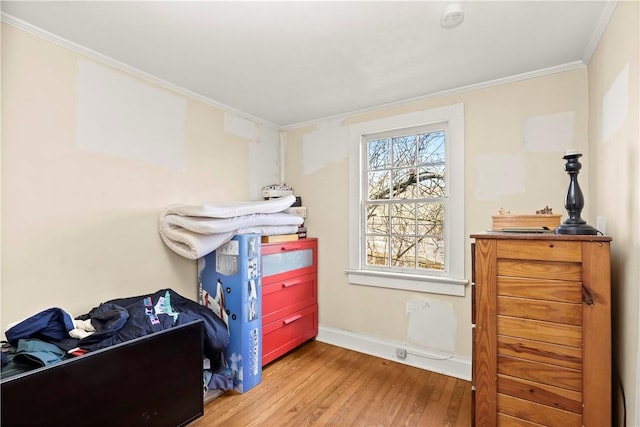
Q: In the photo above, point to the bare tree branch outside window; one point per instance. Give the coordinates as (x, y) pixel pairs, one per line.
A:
(406, 201)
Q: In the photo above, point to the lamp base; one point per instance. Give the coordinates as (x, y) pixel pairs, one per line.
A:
(575, 229)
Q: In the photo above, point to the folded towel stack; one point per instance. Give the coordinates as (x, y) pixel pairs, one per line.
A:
(193, 231)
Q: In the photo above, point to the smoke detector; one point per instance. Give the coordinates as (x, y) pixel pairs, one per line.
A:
(452, 16)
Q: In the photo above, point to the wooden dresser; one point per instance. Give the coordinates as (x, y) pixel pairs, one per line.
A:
(289, 296)
(541, 313)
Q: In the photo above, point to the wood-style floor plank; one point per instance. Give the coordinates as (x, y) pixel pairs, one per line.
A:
(323, 385)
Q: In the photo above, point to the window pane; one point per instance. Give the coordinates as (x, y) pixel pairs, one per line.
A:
(403, 218)
(431, 182)
(377, 219)
(379, 155)
(404, 151)
(431, 253)
(403, 252)
(430, 219)
(404, 183)
(431, 147)
(377, 250)
(379, 185)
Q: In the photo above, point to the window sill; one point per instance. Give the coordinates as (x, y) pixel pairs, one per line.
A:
(408, 282)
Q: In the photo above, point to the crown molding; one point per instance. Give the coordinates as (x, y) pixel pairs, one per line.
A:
(609, 8)
(449, 92)
(111, 62)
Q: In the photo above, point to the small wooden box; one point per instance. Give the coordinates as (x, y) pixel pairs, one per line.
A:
(550, 221)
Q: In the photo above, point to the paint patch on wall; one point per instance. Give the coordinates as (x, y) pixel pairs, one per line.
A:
(239, 126)
(499, 175)
(615, 104)
(329, 143)
(549, 134)
(264, 162)
(432, 324)
(122, 116)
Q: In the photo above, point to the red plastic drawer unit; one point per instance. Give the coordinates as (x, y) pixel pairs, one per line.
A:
(289, 296)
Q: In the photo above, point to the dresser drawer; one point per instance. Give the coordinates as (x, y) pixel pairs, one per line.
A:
(539, 269)
(284, 297)
(536, 351)
(549, 395)
(536, 330)
(286, 333)
(282, 261)
(520, 412)
(540, 250)
(549, 290)
(550, 311)
(556, 376)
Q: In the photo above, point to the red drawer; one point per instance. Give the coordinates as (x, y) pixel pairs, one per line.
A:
(283, 261)
(285, 297)
(285, 334)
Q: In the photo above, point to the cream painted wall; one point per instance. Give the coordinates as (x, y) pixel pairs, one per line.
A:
(529, 123)
(79, 226)
(614, 98)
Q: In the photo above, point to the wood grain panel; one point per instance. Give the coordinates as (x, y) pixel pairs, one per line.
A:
(537, 351)
(537, 330)
(548, 290)
(485, 370)
(537, 413)
(597, 334)
(558, 312)
(505, 420)
(541, 373)
(540, 269)
(544, 394)
(540, 250)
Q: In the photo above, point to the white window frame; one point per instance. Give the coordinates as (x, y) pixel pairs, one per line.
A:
(452, 280)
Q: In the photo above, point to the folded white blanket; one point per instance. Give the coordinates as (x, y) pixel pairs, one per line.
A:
(204, 225)
(233, 209)
(193, 231)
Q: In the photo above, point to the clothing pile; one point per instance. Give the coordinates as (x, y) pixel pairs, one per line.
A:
(53, 335)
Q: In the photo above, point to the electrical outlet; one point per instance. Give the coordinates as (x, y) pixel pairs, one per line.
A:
(401, 353)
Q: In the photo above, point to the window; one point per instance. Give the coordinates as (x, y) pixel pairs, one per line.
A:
(407, 201)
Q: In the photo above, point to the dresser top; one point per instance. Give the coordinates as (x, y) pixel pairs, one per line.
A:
(540, 236)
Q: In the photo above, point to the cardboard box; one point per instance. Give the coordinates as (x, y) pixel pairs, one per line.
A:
(230, 284)
(299, 211)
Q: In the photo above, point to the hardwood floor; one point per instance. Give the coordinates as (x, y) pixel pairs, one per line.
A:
(323, 385)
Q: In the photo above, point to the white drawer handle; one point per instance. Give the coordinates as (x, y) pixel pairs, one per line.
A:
(292, 319)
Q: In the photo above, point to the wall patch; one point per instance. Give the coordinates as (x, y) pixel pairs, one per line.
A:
(122, 116)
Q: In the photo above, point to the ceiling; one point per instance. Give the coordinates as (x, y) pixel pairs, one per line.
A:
(292, 62)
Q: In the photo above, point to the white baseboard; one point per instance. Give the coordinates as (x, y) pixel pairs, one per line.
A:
(442, 363)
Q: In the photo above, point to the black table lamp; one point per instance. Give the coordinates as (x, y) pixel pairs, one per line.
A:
(574, 202)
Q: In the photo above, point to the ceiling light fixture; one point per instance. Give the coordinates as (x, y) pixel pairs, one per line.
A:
(452, 16)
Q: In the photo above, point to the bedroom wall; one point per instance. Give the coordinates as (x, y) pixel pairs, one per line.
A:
(614, 137)
(81, 197)
(528, 123)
